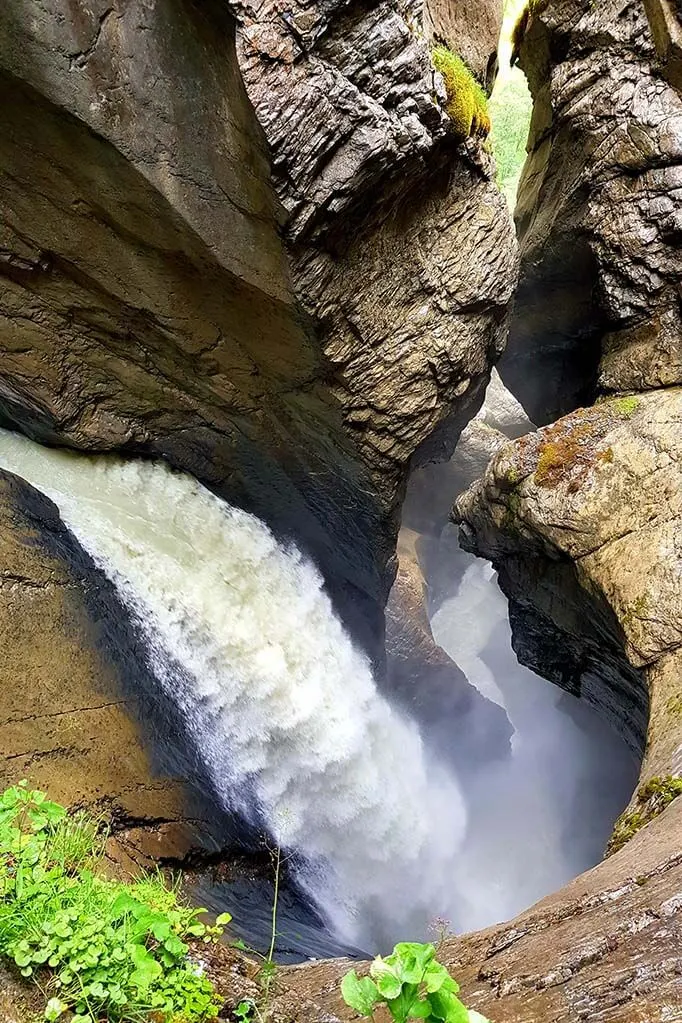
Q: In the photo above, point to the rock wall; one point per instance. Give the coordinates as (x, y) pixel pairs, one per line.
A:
(77, 713)
(599, 213)
(148, 303)
(582, 521)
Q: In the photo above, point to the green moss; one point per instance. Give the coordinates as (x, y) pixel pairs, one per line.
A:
(565, 447)
(624, 407)
(652, 799)
(636, 609)
(467, 104)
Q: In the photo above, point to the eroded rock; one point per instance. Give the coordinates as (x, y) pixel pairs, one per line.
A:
(147, 302)
(599, 212)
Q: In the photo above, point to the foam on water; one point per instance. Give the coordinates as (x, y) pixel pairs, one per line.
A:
(276, 697)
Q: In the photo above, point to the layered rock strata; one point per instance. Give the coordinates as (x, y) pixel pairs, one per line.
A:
(597, 310)
(148, 303)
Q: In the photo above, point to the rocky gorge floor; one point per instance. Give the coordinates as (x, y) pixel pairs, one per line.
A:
(307, 383)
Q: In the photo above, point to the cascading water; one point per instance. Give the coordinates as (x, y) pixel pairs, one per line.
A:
(282, 706)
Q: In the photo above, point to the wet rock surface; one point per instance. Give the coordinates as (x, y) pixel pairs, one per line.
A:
(76, 714)
(149, 304)
(597, 308)
(582, 520)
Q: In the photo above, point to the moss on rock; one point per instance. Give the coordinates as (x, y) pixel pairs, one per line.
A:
(467, 104)
(625, 407)
(652, 799)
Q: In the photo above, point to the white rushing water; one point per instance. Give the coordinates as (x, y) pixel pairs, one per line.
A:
(277, 699)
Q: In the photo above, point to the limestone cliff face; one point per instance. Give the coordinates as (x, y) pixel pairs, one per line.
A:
(599, 210)
(149, 303)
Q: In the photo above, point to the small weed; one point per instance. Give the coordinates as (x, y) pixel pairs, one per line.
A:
(412, 984)
(100, 949)
(267, 974)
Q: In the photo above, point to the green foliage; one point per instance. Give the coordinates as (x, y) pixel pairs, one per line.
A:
(652, 799)
(511, 106)
(412, 984)
(102, 949)
(247, 1011)
(467, 103)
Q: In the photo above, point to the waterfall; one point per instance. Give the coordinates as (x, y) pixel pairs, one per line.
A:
(272, 691)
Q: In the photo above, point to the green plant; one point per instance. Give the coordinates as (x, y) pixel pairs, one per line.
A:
(412, 984)
(467, 103)
(625, 407)
(99, 948)
(652, 799)
(510, 107)
(267, 973)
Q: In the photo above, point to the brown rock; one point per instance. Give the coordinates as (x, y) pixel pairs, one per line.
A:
(68, 720)
(582, 521)
(666, 31)
(145, 294)
(471, 30)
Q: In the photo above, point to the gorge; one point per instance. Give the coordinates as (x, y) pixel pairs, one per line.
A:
(258, 488)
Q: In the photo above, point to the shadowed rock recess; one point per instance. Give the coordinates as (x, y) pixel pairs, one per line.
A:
(599, 212)
(149, 304)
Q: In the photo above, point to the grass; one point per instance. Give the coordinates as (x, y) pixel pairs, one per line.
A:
(98, 948)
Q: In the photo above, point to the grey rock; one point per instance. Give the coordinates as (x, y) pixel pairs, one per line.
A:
(597, 309)
(148, 299)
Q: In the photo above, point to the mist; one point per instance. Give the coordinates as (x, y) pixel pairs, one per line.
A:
(540, 813)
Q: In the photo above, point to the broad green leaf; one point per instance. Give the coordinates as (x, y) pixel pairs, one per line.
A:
(385, 978)
(436, 977)
(223, 919)
(160, 927)
(400, 1006)
(359, 993)
(411, 960)
(446, 1006)
(419, 1008)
